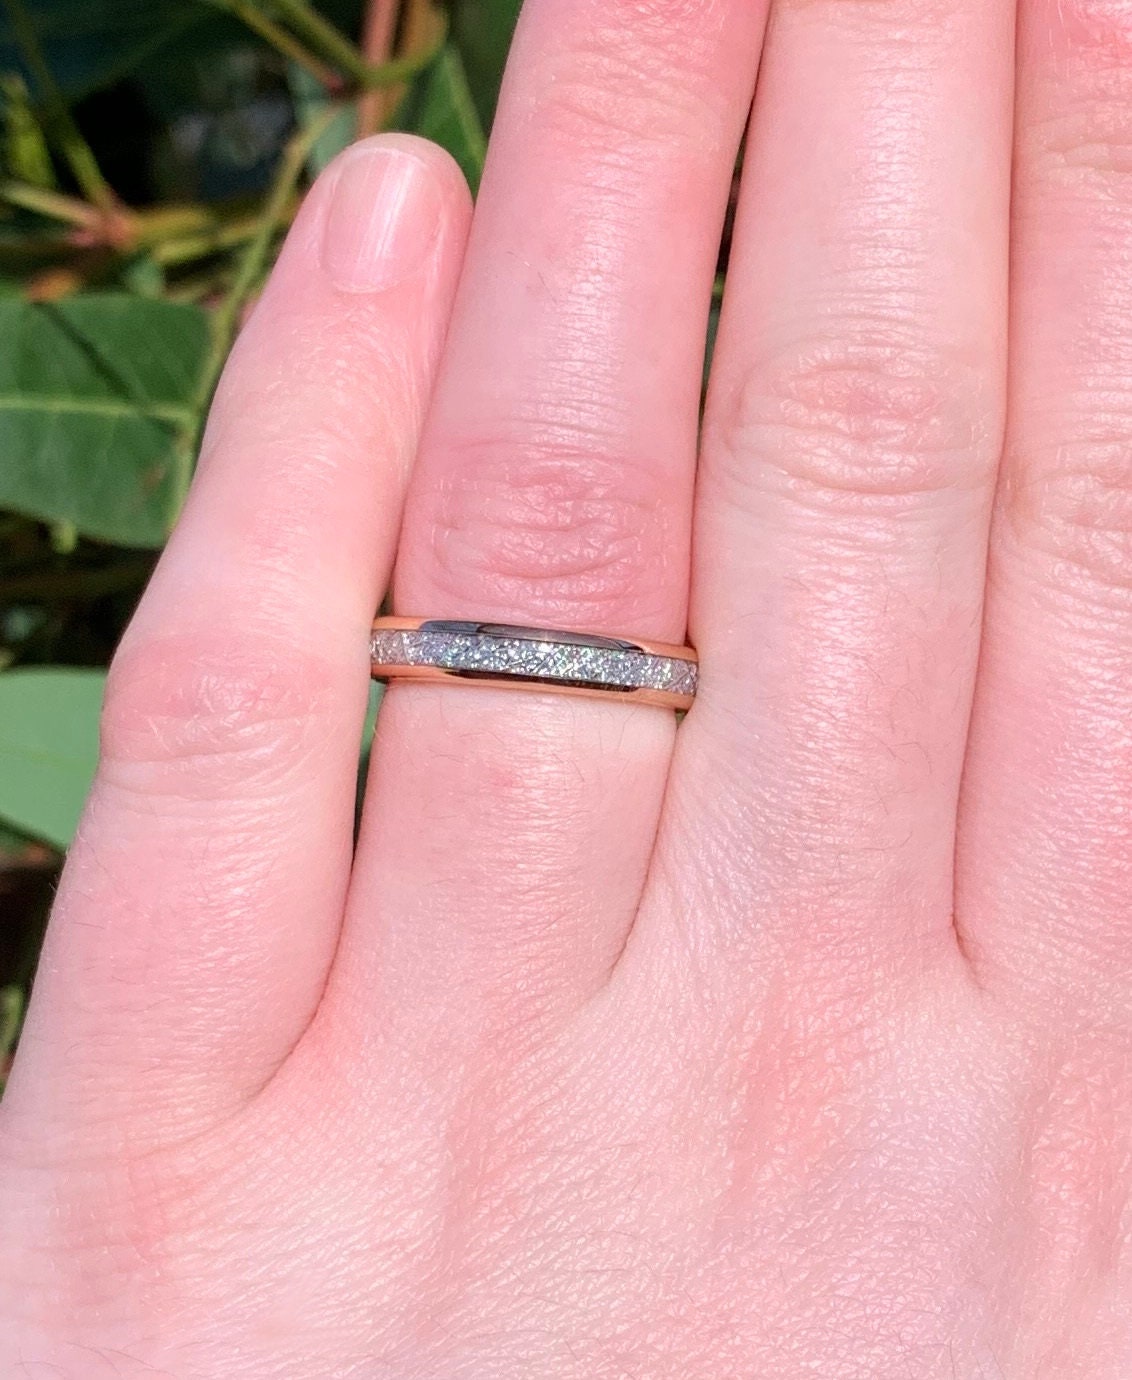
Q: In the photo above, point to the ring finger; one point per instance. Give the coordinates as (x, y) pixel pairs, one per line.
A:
(506, 836)
(850, 449)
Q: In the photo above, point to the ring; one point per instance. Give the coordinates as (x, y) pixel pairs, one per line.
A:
(569, 663)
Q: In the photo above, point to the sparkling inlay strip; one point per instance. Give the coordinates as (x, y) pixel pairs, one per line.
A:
(602, 665)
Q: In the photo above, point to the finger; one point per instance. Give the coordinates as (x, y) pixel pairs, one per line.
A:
(203, 897)
(851, 442)
(507, 834)
(1045, 866)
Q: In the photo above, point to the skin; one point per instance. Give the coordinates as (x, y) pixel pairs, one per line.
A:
(791, 1041)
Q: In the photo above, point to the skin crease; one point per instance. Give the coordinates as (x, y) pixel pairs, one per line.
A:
(791, 1042)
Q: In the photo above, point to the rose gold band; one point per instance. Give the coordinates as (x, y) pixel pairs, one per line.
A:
(628, 670)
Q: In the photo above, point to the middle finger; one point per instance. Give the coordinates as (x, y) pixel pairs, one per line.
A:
(852, 440)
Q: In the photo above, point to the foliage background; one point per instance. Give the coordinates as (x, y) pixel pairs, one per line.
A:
(152, 156)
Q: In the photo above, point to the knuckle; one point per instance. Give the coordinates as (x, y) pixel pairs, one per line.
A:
(551, 529)
(642, 73)
(1088, 144)
(596, 109)
(661, 14)
(666, 29)
(1084, 145)
(181, 712)
(880, 420)
(1078, 510)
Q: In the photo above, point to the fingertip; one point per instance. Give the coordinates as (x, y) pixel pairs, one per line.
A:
(379, 237)
(389, 200)
(426, 151)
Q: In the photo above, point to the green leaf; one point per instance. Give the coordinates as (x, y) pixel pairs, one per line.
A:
(440, 107)
(98, 399)
(48, 748)
(482, 31)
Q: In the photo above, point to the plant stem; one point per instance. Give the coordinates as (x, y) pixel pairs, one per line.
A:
(284, 43)
(175, 220)
(403, 69)
(56, 205)
(185, 249)
(72, 145)
(424, 26)
(332, 45)
(378, 29)
(279, 39)
(305, 21)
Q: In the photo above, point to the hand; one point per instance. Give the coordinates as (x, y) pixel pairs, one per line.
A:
(793, 1041)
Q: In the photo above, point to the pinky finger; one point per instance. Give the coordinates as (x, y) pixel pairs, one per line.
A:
(200, 906)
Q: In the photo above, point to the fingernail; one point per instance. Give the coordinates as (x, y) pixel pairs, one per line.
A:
(382, 221)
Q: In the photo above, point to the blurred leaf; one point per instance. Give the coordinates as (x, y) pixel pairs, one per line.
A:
(311, 100)
(48, 748)
(142, 274)
(11, 1013)
(86, 42)
(12, 842)
(26, 157)
(440, 107)
(97, 404)
(712, 334)
(482, 31)
(64, 538)
(11, 1017)
(376, 692)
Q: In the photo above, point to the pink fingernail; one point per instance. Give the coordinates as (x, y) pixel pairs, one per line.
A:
(382, 221)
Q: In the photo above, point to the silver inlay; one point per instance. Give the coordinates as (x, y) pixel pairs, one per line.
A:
(473, 650)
